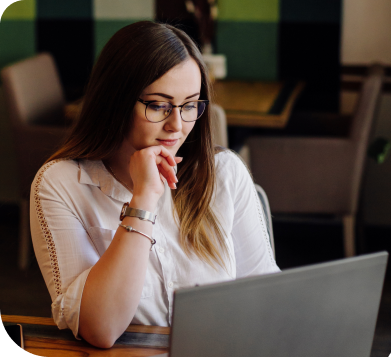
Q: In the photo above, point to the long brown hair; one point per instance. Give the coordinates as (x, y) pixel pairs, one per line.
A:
(136, 56)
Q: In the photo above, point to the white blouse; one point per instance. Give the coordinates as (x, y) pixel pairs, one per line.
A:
(75, 208)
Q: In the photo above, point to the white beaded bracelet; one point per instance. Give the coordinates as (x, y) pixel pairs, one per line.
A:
(131, 229)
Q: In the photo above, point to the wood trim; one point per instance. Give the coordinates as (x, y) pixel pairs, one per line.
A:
(149, 329)
(292, 100)
(29, 320)
(56, 348)
(351, 86)
(361, 70)
(48, 321)
(355, 86)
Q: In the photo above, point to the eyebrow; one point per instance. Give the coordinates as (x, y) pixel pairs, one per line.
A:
(170, 97)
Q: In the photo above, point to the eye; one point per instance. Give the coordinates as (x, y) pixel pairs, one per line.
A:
(190, 106)
(159, 106)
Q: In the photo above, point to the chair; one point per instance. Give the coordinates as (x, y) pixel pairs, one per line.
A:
(219, 125)
(266, 209)
(35, 100)
(307, 175)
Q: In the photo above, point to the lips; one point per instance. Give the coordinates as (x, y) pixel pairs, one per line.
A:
(167, 142)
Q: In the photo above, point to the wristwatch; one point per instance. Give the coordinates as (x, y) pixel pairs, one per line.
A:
(134, 212)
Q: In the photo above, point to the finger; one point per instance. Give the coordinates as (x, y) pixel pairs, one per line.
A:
(178, 159)
(169, 169)
(167, 177)
(162, 151)
(170, 184)
(162, 178)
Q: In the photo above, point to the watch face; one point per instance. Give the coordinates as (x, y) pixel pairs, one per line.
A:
(124, 207)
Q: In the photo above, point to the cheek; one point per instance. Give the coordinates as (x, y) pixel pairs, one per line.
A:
(144, 135)
(188, 127)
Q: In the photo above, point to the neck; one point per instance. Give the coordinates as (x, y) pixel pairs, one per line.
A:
(119, 164)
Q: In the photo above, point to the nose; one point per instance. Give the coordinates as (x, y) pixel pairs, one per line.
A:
(174, 121)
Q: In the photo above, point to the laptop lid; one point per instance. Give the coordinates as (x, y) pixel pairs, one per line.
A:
(328, 309)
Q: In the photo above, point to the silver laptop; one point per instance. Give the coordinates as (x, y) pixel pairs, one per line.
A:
(321, 310)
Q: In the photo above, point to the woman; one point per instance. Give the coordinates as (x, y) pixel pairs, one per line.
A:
(145, 103)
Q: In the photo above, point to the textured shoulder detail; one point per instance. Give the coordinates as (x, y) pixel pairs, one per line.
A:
(264, 223)
(44, 226)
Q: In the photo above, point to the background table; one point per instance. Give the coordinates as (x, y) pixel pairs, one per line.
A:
(42, 337)
(257, 104)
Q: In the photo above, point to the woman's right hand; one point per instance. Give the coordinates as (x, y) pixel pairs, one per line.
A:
(149, 168)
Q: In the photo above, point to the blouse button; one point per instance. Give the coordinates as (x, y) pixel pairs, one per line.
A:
(161, 250)
(170, 284)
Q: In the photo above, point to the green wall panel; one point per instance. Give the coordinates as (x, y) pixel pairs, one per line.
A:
(17, 40)
(250, 47)
(104, 29)
(124, 9)
(249, 10)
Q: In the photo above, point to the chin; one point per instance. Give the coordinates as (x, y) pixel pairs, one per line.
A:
(173, 151)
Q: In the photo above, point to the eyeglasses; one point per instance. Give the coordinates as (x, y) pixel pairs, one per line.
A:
(156, 111)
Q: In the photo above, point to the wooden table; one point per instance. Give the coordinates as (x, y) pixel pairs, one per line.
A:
(43, 338)
(257, 104)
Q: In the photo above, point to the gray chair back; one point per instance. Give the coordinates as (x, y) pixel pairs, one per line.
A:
(362, 126)
(219, 125)
(319, 175)
(34, 91)
(35, 103)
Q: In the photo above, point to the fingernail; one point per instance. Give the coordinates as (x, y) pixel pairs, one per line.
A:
(175, 185)
(176, 179)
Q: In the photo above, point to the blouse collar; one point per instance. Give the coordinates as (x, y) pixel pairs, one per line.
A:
(93, 172)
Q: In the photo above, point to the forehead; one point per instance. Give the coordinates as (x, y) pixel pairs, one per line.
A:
(180, 81)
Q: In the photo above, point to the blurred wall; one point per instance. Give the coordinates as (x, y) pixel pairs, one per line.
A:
(262, 39)
(74, 31)
(366, 31)
(284, 39)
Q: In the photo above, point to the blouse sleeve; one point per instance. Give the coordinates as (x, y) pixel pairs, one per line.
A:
(253, 252)
(62, 246)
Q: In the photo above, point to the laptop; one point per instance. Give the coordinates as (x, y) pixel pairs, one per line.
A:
(322, 310)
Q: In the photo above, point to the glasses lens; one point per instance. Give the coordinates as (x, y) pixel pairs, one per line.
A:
(193, 110)
(158, 111)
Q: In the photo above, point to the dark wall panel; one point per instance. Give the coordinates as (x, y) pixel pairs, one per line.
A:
(64, 9)
(310, 11)
(310, 52)
(71, 43)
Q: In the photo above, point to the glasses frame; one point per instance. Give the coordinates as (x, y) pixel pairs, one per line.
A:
(148, 102)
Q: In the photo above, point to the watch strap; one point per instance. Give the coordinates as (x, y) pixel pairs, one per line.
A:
(139, 213)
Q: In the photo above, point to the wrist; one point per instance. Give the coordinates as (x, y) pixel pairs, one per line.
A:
(144, 202)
